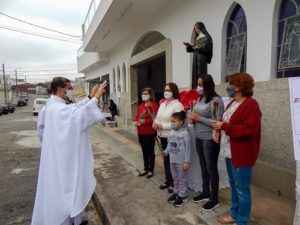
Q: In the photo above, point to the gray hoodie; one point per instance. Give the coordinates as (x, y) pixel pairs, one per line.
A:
(179, 146)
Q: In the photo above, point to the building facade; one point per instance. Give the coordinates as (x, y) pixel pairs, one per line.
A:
(138, 43)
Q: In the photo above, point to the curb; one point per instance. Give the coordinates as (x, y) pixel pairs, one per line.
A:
(108, 212)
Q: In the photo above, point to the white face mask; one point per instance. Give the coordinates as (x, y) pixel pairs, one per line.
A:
(200, 90)
(145, 97)
(69, 95)
(168, 94)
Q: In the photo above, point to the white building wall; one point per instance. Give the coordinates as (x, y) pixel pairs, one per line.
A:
(176, 21)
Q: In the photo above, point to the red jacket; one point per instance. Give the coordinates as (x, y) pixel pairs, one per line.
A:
(244, 130)
(146, 128)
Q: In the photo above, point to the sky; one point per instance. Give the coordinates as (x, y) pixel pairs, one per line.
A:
(39, 58)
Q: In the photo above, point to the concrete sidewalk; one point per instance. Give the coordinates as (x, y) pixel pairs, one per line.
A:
(122, 197)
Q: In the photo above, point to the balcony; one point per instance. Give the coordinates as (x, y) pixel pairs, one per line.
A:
(89, 61)
(109, 22)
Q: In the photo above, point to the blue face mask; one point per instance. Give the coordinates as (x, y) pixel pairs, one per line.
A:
(174, 126)
(200, 90)
(231, 91)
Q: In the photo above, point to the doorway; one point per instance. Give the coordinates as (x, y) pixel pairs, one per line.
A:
(152, 74)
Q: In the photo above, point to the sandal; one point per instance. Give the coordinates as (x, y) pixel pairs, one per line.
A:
(150, 174)
(163, 186)
(226, 220)
(170, 189)
(143, 174)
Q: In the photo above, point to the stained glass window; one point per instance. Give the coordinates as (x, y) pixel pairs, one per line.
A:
(236, 41)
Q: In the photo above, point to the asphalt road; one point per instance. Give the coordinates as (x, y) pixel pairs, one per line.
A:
(19, 162)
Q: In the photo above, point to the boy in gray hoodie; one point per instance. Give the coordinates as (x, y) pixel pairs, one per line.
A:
(179, 149)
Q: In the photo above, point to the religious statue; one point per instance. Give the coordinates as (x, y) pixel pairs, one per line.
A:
(202, 47)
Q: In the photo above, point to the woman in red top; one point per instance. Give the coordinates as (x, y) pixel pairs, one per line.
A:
(240, 131)
(143, 121)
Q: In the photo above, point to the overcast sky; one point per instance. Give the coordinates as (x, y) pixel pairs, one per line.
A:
(30, 53)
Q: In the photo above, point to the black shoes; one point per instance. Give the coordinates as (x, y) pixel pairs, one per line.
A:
(210, 205)
(172, 198)
(201, 198)
(180, 201)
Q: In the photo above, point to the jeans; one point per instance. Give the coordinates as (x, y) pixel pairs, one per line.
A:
(168, 175)
(240, 180)
(147, 143)
(208, 152)
(180, 179)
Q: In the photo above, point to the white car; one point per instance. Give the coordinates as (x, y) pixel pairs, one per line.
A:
(38, 104)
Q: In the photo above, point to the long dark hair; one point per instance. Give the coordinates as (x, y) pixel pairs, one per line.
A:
(208, 86)
(202, 28)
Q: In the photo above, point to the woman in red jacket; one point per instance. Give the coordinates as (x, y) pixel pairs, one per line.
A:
(240, 131)
(143, 121)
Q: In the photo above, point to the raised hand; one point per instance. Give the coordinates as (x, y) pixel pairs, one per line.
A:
(101, 90)
(94, 90)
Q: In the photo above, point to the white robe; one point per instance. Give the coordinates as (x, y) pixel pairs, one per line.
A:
(66, 180)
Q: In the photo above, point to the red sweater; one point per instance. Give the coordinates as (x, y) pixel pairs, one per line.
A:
(146, 128)
(244, 130)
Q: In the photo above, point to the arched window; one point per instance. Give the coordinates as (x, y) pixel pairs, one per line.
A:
(147, 41)
(288, 45)
(236, 41)
(114, 80)
(118, 80)
(124, 77)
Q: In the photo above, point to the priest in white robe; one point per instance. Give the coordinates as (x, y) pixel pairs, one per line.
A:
(66, 179)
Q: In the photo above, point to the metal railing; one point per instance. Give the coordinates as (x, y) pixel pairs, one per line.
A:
(90, 15)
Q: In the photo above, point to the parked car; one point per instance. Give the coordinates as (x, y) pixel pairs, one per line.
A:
(11, 107)
(24, 95)
(1, 110)
(38, 104)
(22, 100)
(5, 108)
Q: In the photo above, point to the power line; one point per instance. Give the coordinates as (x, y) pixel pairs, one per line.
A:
(40, 35)
(23, 21)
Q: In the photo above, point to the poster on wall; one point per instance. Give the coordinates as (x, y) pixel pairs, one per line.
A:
(294, 84)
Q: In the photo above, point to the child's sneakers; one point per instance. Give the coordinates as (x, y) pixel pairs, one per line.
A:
(172, 198)
(180, 201)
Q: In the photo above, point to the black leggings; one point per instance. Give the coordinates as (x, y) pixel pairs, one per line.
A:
(168, 175)
(208, 152)
(147, 143)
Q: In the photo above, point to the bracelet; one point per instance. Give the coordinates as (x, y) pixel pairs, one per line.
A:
(89, 97)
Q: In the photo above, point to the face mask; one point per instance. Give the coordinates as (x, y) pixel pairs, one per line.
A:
(174, 126)
(145, 97)
(200, 90)
(69, 94)
(168, 94)
(231, 91)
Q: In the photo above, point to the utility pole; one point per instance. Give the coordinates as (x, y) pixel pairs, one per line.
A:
(16, 89)
(4, 84)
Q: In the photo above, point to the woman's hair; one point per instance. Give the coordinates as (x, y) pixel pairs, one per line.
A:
(244, 82)
(151, 93)
(179, 115)
(174, 88)
(208, 86)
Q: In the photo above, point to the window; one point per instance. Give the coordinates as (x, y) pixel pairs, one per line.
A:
(124, 77)
(147, 41)
(114, 81)
(236, 41)
(118, 80)
(288, 45)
